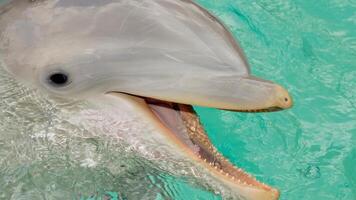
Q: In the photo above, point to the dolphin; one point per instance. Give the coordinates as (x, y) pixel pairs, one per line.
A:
(156, 57)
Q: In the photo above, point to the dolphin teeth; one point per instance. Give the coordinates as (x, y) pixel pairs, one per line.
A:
(214, 158)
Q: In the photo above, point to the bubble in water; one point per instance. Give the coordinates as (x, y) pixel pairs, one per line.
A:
(312, 172)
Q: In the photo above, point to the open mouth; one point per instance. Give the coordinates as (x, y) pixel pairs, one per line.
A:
(181, 125)
(184, 125)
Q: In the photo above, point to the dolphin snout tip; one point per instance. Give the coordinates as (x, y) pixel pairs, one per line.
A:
(283, 99)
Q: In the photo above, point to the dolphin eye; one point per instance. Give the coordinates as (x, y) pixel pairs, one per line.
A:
(58, 79)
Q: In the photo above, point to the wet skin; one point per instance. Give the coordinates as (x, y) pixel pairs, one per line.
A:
(161, 56)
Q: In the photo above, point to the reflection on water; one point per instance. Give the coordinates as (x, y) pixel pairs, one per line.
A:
(44, 156)
(52, 148)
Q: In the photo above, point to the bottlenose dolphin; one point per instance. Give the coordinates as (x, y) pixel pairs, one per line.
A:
(158, 57)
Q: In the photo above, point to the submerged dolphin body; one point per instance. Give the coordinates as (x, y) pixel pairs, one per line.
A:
(157, 56)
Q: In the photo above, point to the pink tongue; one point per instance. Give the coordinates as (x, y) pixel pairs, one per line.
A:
(172, 119)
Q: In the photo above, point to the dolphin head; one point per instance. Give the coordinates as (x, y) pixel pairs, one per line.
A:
(133, 47)
(161, 55)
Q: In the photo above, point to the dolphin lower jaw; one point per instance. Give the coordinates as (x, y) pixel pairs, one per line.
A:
(181, 125)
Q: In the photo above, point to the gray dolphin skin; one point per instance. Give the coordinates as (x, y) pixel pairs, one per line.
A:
(159, 56)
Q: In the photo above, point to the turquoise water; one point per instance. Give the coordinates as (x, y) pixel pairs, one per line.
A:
(308, 152)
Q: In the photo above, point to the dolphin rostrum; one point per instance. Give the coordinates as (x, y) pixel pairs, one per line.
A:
(158, 56)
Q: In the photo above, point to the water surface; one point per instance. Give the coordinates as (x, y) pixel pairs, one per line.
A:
(309, 152)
